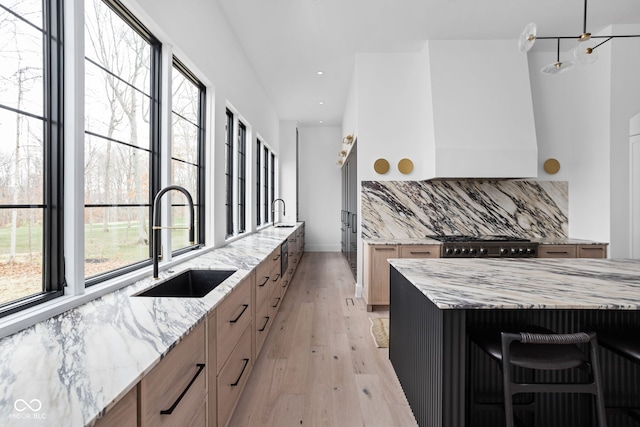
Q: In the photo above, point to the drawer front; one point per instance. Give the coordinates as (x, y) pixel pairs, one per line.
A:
(263, 280)
(233, 315)
(233, 377)
(181, 370)
(124, 414)
(556, 251)
(420, 251)
(592, 251)
(262, 325)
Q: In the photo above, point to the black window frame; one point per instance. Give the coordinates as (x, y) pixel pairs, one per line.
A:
(154, 150)
(229, 172)
(53, 277)
(259, 220)
(199, 208)
(241, 190)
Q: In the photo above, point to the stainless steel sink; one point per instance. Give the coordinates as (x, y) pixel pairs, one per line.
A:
(188, 284)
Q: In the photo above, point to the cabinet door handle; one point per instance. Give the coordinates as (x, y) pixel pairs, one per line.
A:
(557, 252)
(591, 249)
(246, 362)
(420, 252)
(276, 258)
(275, 279)
(285, 283)
(385, 249)
(265, 324)
(266, 279)
(175, 404)
(277, 302)
(244, 308)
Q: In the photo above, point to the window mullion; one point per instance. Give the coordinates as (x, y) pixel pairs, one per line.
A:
(164, 156)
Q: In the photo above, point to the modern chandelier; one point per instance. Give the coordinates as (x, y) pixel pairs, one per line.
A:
(585, 51)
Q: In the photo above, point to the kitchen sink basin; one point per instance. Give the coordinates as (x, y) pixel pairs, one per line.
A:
(189, 284)
(284, 225)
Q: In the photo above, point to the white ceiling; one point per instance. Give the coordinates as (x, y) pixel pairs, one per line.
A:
(289, 41)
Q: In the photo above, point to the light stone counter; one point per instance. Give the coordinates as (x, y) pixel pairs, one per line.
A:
(74, 366)
(534, 283)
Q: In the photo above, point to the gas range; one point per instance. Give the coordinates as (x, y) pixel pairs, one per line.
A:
(495, 246)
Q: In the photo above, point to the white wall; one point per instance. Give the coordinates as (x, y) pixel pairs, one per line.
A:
(202, 39)
(287, 165)
(320, 184)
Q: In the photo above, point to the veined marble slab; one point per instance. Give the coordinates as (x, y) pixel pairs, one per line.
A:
(68, 370)
(534, 283)
(410, 209)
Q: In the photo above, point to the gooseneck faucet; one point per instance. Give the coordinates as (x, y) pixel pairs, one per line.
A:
(155, 234)
(273, 209)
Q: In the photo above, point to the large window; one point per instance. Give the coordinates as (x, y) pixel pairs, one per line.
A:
(31, 268)
(265, 188)
(121, 134)
(236, 175)
(187, 153)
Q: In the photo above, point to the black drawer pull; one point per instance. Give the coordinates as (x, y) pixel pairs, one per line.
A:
(291, 271)
(419, 252)
(244, 308)
(285, 283)
(276, 258)
(275, 279)
(246, 362)
(277, 302)
(265, 324)
(266, 279)
(175, 404)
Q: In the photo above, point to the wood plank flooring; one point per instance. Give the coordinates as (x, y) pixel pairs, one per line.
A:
(319, 365)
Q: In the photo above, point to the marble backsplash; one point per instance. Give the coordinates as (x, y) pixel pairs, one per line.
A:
(415, 209)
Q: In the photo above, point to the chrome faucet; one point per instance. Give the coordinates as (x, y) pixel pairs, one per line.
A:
(155, 234)
(273, 209)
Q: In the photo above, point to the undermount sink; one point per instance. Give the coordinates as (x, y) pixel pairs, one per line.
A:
(284, 225)
(188, 284)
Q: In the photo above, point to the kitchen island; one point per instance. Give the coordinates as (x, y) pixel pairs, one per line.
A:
(434, 302)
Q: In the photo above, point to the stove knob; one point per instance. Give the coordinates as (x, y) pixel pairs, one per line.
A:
(465, 251)
(521, 251)
(514, 251)
(483, 251)
(472, 251)
(503, 251)
(448, 251)
(456, 251)
(531, 251)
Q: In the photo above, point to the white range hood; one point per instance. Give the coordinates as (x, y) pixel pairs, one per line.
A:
(483, 120)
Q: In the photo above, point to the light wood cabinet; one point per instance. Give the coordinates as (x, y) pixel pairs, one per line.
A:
(419, 251)
(233, 315)
(233, 376)
(175, 392)
(375, 273)
(124, 413)
(572, 251)
(592, 251)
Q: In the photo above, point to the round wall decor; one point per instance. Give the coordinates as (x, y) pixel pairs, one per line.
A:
(405, 166)
(381, 166)
(551, 166)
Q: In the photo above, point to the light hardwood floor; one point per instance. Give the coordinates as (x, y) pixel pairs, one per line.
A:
(319, 365)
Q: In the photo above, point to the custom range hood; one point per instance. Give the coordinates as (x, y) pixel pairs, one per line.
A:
(483, 120)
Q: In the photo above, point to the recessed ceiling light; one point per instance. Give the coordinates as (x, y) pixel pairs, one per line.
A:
(321, 103)
(321, 122)
(320, 73)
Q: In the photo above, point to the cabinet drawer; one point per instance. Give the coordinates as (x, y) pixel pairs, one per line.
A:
(233, 315)
(263, 280)
(592, 251)
(182, 370)
(124, 413)
(556, 251)
(233, 377)
(420, 251)
(262, 325)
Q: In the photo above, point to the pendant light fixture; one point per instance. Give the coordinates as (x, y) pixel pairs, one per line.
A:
(585, 51)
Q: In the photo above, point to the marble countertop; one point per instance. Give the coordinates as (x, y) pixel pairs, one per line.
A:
(429, 241)
(533, 283)
(73, 366)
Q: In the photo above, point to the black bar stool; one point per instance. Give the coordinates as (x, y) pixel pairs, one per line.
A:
(545, 351)
(625, 343)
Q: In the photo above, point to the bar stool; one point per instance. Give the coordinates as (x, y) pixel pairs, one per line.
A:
(545, 351)
(625, 343)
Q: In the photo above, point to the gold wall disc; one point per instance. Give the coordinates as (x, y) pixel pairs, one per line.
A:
(381, 166)
(551, 166)
(405, 166)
